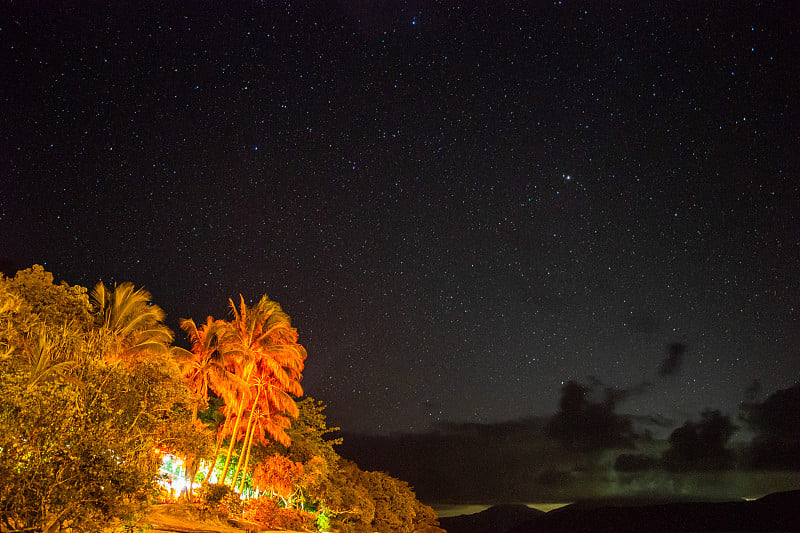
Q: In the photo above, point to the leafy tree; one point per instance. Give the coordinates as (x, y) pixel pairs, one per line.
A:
(77, 434)
(280, 476)
(56, 305)
(312, 447)
(130, 325)
(374, 501)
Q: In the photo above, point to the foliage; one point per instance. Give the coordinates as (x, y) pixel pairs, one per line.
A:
(230, 505)
(268, 512)
(323, 521)
(218, 498)
(92, 393)
(309, 434)
(311, 448)
(259, 347)
(280, 476)
(51, 472)
(204, 368)
(212, 493)
(375, 501)
(78, 434)
(57, 305)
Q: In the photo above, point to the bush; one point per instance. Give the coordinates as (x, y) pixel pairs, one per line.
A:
(212, 493)
(268, 512)
(323, 521)
(230, 505)
(218, 498)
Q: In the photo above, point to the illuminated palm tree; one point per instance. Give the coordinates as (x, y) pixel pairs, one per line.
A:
(204, 369)
(264, 350)
(269, 417)
(130, 324)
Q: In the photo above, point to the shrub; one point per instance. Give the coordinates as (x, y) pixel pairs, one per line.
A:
(323, 521)
(212, 493)
(230, 505)
(218, 498)
(268, 512)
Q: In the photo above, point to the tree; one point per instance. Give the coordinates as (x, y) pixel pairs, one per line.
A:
(265, 353)
(131, 326)
(374, 501)
(281, 476)
(310, 446)
(78, 434)
(205, 367)
(56, 305)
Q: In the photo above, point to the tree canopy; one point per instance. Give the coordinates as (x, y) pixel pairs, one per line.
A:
(93, 394)
(78, 431)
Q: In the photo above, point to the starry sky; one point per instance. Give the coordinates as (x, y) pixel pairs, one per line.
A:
(461, 205)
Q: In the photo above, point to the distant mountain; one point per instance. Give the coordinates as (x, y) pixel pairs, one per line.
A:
(776, 512)
(495, 519)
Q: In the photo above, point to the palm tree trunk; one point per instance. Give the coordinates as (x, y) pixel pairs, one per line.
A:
(247, 457)
(232, 444)
(240, 460)
(247, 437)
(220, 438)
(248, 372)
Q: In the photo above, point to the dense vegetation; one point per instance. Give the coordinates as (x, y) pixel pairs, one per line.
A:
(93, 394)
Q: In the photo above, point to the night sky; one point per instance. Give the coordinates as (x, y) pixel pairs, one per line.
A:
(461, 207)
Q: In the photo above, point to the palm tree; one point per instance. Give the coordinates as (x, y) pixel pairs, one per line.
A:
(205, 369)
(264, 350)
(270, 418)
(130, 324)
(46, 357)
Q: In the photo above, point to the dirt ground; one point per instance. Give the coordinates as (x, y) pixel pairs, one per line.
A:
(184, 518)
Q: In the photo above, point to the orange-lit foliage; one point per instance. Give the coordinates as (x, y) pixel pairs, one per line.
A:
(280, 475)
(266, 511)
(132, 327)
(261, 348)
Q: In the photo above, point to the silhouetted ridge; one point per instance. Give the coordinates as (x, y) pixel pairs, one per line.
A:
(493, 520)
(775, 512)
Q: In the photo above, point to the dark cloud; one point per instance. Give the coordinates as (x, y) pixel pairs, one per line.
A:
(634, 462)
(753, 391)
(701, 445)
(776, 422)
(672, 363)
(582, 423)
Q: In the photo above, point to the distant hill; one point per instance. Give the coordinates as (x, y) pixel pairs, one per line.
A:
(493, 520)
(776, 512)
